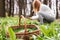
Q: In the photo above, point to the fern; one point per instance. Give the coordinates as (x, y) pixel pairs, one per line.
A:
(11, 34)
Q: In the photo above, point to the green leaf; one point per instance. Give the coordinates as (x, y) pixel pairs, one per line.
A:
(3, 30)
(43, 30)
(11, 34)
(39, 38)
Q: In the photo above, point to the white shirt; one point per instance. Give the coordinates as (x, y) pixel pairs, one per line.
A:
(44, 9)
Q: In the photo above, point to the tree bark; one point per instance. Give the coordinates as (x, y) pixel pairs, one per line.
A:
(20, 3)
(25, 5)
(2, 8)
(50, 3)
(9, 8)
(12, 7)
(56, 9)
(46, 2)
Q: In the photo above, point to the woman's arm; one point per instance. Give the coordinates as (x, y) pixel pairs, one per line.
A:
(34, 17)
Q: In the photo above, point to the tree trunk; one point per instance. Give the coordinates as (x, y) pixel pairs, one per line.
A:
(56, 9)
(12, 7)
(9, 8)
(25, 5)
(31, 14)
(2, 8)
(45, 2)
(50, 3)
(20, 3)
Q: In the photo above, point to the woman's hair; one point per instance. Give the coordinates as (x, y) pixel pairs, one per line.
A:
(37, 5)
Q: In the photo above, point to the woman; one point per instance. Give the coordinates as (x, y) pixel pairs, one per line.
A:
(42, 12)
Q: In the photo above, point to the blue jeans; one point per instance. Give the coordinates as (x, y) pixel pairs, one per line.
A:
(45, 17)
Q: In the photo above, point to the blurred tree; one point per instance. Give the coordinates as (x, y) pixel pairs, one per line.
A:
(56, 9)
(46, 2)
(2, 8)
(50, 3)
(11, 8)
(22, 5)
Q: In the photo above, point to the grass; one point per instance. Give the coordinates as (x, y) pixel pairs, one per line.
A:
(47, 31)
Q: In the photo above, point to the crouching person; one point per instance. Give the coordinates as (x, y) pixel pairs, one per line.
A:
(42, 12)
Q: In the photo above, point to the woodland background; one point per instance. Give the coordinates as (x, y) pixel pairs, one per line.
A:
(17, 7)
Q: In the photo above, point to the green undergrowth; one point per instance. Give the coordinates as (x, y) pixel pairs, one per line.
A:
(47, 31)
